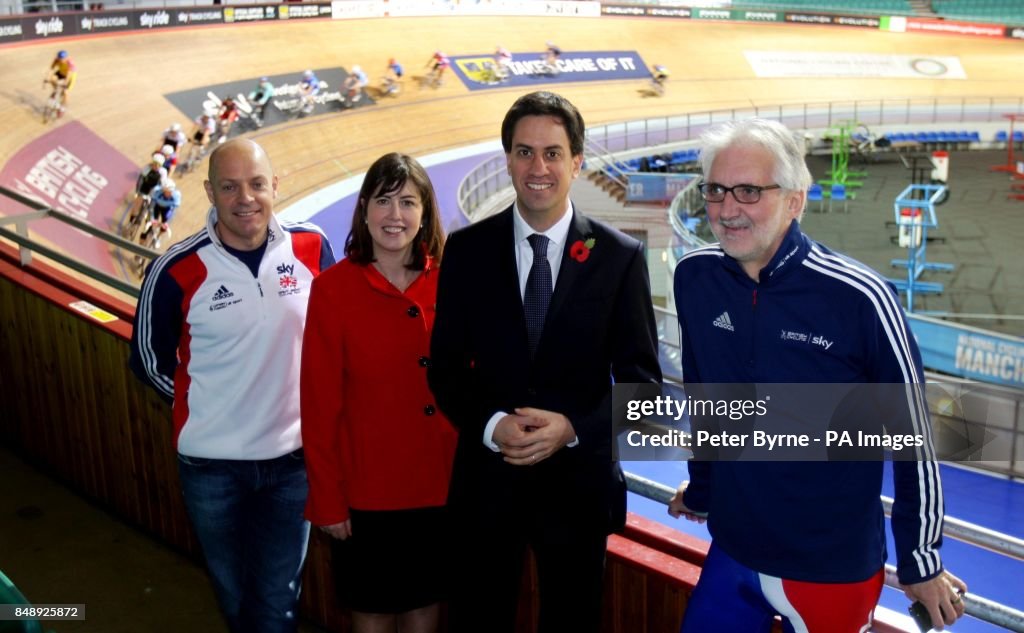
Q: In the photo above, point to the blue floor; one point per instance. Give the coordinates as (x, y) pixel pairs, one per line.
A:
(994, 503)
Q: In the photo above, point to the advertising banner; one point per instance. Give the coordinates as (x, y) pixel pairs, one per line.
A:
(902, 24)
(43, 27)
(478, 72)
(656, 187)
(303, 11)
(11, 30)
(197, 15)
(153, 19)
(669, 12)
(250, 14)
(624, 9)
(554, 8)
(653, 12)
(355, 9)
(759, 16)
(825, 64)
(76, 172)
(712, 14)
(802, 17)
(106, 21)
(863, 21)
(969, 352)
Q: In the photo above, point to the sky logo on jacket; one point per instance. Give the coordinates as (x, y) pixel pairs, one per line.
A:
(822, 341)
(804, 337)
(287, 282)
(723, 321)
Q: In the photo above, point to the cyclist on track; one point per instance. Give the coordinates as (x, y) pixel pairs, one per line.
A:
(62, 72)
(389, 83)
(502, 62)
(203, 129)
(551, 56)
(354, 84)
(259, 98)
(170, 157)
(438, 63)
(173, 136)
(226, 117)
(150, 176)
(659, 77)
(165, 200)
(309, 88)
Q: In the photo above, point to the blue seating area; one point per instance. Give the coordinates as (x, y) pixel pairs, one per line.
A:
(682, 160)
(942, 139)
(1003, 136)
(816, 194)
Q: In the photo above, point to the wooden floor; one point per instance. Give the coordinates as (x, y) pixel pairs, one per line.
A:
(122, 80)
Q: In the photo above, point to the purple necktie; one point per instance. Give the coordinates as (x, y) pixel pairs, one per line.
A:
(538, 291)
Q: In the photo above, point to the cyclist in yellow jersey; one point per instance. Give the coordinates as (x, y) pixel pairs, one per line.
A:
(62, 72)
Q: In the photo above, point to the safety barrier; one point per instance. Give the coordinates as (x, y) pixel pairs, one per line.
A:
(976, 606)
(672, 133)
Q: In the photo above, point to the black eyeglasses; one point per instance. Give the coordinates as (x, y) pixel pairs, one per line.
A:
(744, 194)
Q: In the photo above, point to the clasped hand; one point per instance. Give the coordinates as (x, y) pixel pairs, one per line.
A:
(529, 436)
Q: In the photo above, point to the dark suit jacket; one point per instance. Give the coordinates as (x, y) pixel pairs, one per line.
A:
(600, 325)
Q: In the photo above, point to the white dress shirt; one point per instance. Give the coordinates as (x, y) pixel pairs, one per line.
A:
(557, 235)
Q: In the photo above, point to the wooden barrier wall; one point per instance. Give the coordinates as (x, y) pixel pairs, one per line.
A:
(69, 403)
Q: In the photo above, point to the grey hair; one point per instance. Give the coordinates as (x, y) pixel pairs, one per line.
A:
(790, 171)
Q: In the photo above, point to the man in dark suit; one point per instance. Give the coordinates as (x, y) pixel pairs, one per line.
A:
(538, 309)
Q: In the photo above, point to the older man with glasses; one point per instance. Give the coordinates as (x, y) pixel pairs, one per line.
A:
(800, 539)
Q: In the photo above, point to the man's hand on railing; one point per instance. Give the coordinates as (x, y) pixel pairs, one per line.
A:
(676, 507)
(941, 596)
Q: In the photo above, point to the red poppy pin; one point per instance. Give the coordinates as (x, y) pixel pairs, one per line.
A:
(580, 250)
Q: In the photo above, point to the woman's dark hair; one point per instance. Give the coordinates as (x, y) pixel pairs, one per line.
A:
(388, 174)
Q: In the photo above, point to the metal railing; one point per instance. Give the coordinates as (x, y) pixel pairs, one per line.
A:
(598, 158)
(668, 130)
(658, 132)
(975, 606)
(481, 184)
(29, 7)
(42, 213)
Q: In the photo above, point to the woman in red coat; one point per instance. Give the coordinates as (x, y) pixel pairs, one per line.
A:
(378, 451)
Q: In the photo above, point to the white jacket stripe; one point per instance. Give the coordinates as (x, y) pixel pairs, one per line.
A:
(890, 316)
(145, 304)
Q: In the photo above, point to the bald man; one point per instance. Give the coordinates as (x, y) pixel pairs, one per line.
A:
(218, 333)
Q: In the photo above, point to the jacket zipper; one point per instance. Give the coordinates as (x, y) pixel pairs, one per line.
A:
(752, 362)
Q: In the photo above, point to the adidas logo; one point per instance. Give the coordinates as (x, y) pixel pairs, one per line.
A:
(222, 294)
(724, 322)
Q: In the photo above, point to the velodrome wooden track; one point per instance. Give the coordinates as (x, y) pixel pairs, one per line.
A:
(122, 80)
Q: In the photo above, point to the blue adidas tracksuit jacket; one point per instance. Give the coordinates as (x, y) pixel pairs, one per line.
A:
(815, 317)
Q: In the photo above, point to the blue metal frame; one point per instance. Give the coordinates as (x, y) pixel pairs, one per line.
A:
(921, 197)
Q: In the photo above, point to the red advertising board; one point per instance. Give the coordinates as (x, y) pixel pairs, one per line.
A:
(950, 27)
(76, 172)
